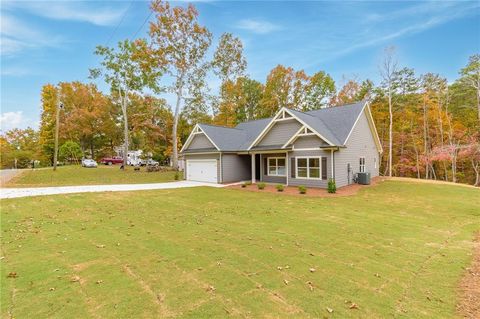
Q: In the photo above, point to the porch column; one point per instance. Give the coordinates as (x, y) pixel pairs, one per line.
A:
(331, 160)
(253, 168)
(287, 166)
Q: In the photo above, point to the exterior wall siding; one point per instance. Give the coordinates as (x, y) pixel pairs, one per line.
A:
(280, 133)
(235, 168)
(308, 142)
(309, 182)
(215, 156)
(360, 144)
(200, 141)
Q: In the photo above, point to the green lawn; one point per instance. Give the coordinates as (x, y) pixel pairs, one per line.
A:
(395, 250)
(77, 175)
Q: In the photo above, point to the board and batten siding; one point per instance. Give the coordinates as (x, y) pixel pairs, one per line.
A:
(280, 133)
(215, 156)
(235, 168)
(322, 183)
(200, 141)
(360, 144)
(308, 142)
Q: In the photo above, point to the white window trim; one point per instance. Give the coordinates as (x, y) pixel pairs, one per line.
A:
(360, 164)
(374, 162)
(308, 167)
(276, 169)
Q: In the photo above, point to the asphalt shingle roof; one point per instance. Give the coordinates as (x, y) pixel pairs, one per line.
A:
(333, 123)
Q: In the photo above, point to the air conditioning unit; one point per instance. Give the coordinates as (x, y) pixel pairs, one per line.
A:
(363, 178)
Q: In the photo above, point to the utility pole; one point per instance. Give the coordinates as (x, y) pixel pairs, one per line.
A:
(57, 120)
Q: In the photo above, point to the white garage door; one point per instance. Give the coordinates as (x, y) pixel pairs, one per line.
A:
(202, 170)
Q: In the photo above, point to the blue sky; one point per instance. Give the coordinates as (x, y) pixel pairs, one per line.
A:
(48, 42)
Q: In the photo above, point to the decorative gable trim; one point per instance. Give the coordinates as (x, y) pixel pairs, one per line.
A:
(284, 114)
(196, 131)
(371, 124)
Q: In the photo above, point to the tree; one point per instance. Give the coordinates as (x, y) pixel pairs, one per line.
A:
(228, 60)
(124, 74)
(471, 76)
(70, 151)
(183, 42)
(387, 71)
(347, 94)
(471, 152)
(47, 121)
(319, 91)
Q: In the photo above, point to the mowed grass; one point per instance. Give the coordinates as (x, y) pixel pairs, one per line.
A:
(77, 175)
(395, 250)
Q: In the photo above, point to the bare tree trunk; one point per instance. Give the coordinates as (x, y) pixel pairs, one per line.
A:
(390, 131)
(175, 126)
(425, 138)
(125, 135)
(476, 168)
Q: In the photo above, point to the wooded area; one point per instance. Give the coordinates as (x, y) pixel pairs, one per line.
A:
(429, 128)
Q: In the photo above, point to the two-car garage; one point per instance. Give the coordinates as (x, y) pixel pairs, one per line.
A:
(202, 170)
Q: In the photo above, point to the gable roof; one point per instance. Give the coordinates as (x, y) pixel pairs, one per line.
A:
(333, 124)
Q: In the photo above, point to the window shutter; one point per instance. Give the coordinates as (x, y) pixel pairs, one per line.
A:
(292, 168)
(324, 168)
(265, 166)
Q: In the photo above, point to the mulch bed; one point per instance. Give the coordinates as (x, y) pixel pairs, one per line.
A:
(469, 288)
(311, 192)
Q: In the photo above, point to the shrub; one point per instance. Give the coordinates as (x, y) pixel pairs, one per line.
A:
(279, 187)
(248, 183)
(176, 176)
(332, 187)
(302, 189)
(244, 185)
(261, 185)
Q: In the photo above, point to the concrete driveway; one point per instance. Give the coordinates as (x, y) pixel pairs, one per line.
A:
(8, 174)
(40, 191)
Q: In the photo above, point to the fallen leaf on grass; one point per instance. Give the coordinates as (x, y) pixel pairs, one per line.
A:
(52, 289)
(353, 306)
(12, 275)
(330, 310)
(75, 278)
(310, 285)
(99, 282)
(279, 267)
(312, 269)
(210, 289)
(285, 281)
(100, 246)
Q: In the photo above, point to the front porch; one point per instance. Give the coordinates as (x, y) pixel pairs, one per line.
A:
(309, 167)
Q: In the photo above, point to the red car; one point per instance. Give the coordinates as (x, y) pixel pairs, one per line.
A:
(111, 160)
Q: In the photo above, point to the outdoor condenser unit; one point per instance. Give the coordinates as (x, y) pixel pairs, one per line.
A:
(363, 178)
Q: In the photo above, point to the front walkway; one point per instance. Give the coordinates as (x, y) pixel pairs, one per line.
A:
(40, 191)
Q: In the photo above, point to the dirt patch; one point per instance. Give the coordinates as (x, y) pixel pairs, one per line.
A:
(311, 192)
(469, 305)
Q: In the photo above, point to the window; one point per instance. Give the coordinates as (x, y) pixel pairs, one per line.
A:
(308, 167)
(276, 166)
(362, 164)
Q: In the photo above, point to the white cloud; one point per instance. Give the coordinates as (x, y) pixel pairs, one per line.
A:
(72, 10)
(17, 36)
(10, 120)
(257, 26)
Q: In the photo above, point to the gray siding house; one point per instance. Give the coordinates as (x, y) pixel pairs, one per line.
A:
(292, 148)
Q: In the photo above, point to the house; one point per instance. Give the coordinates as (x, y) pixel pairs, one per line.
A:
(292, 148)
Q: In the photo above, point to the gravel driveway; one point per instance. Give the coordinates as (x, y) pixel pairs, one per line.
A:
(40, 191)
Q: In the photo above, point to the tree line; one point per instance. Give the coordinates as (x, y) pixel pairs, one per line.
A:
(429, 128)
